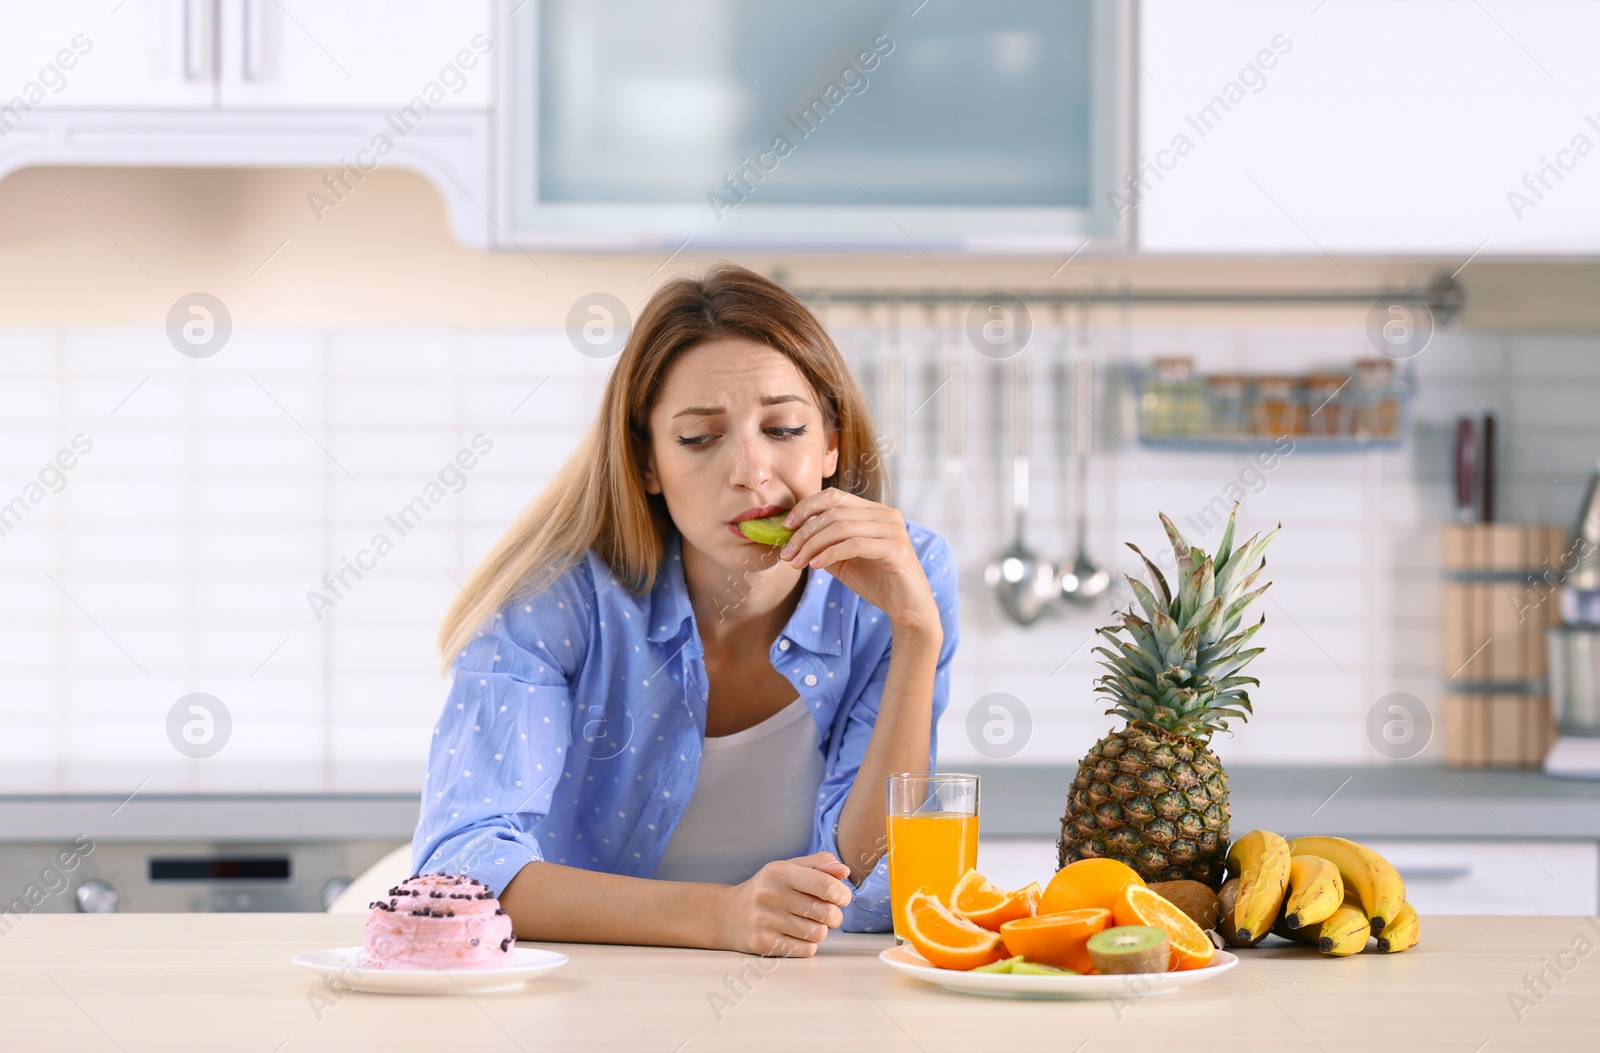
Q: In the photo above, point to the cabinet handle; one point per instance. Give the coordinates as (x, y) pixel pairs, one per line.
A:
(250, 34)
(1435, 873)
(195, 40)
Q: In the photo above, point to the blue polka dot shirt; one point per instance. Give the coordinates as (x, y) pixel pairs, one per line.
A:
(574, 721)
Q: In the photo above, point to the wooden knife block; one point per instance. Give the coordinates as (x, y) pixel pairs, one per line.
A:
(1499, 595)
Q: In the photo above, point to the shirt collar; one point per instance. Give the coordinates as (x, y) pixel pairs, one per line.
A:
(814, 625)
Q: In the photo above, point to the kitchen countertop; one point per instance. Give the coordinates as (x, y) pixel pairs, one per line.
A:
(1019, 801)
(219, 982)
(1376, 801)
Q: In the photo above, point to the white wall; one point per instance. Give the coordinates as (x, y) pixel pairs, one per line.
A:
(179, 554)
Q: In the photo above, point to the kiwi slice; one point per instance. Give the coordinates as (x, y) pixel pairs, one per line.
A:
(1026, 968)
(1004, 965)
(768, 530)
(1130, 949)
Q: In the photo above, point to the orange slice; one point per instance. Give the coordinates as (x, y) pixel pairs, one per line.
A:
(978, 899)
(1191, 947)
(1088, 883)
(944, 937)
(1056, 939)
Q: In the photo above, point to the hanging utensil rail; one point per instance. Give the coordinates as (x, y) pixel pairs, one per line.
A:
(1443, 297)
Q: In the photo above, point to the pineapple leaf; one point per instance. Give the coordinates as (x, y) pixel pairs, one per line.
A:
(1180, 547)
(1236, 571)
(1149, 660)
(1225, 546)
(1231, 643)
(1184, 649)
(1146, 598)
(1144, 636)
(1236, 608)
(1156, 577)
(1210, 623)
(1250, 582)
(1176, 652)
(1235, 662)
(1244, 563)
(1167, 631)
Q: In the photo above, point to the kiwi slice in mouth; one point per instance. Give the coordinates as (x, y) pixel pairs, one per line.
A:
(1131, 949)
(768, 530)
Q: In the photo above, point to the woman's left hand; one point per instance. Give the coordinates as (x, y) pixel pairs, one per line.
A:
(865, 545)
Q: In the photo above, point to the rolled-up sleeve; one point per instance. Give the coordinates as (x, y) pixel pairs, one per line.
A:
(869, 909)
(500, 744)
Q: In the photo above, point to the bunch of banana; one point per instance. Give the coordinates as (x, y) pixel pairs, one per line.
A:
(1343, 932)
(1329, 892)
(1368, 877)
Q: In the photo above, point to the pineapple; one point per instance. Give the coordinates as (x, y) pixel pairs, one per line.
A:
(1152, 794)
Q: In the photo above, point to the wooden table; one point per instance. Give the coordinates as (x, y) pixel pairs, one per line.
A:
(220, 982)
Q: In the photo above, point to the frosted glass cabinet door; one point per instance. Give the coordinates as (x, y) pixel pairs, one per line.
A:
(856, 122)
(87, 54)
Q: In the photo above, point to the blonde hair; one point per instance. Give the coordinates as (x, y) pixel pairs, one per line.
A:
(597, 500)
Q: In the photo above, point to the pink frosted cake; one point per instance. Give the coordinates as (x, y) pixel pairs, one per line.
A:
(438, 921)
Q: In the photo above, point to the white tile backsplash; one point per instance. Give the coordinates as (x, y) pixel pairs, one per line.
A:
(179, 555)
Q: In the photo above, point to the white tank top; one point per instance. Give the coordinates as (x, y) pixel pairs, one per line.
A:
(754, 800)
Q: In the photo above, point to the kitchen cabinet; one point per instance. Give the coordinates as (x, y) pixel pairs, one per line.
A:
(356, 53)
(835, 124)
(1366, 126)
(247, 54)
(145, 54)
(342, 88)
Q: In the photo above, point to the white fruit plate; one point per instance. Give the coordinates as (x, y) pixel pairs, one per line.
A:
(1005, 985)
(342, 964)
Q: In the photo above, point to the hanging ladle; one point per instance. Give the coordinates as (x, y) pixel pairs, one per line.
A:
(1082, 580)
(1024, 582)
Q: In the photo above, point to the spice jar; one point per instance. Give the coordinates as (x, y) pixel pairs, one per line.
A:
(1277, 408)
(1172, 403)
(1377, 402)
(1226, 397)
(1324, 406)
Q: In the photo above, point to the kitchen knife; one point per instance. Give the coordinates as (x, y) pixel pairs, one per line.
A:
(1488, 467)
(1466, 470)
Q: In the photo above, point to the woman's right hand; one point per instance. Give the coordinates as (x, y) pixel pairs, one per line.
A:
(787, 908)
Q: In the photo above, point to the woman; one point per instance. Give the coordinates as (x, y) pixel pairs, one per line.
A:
(660, 731)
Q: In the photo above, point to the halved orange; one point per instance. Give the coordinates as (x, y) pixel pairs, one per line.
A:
(944, 937)
(1191, 947)
(1088, 883)
(978, 899)
(1056, 939)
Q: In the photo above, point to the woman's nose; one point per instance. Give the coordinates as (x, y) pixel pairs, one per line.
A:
(750, 461)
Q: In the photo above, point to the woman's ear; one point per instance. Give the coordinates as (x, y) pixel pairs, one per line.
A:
(830, 460)
(644, 456)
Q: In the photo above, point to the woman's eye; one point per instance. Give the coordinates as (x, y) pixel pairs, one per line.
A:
(698, 441)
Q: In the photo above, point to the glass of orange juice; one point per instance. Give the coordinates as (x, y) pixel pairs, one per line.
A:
(933, 835)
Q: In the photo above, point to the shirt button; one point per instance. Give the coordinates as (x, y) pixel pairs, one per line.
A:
(783, 645)
(811, 681)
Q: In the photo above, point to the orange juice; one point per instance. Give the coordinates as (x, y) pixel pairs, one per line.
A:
(934, 850)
